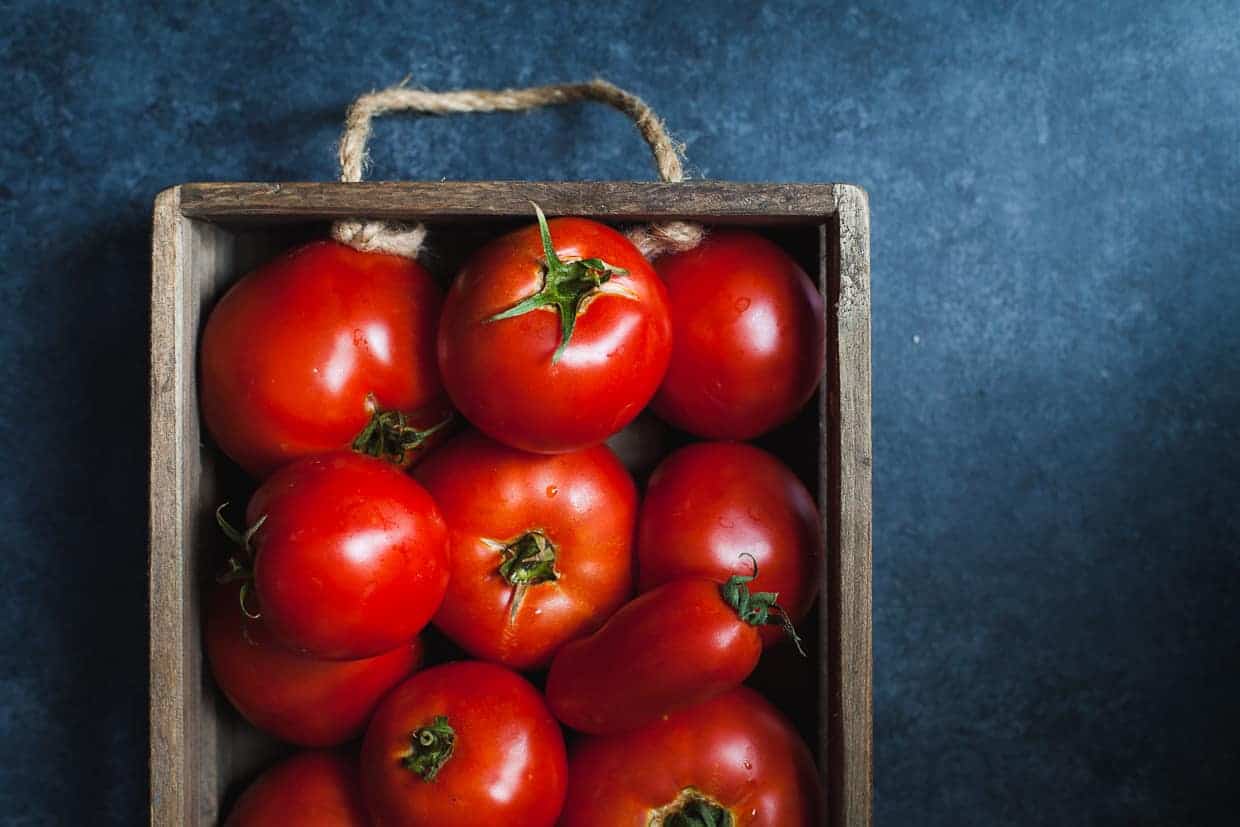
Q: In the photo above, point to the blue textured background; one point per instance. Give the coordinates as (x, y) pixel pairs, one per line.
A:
(1057, 397)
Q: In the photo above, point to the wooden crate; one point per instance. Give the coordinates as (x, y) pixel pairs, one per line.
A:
(206, 235)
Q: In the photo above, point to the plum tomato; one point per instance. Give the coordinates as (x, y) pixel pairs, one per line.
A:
(748, 337)
(554, 337)
(677, 645)
(732, 761)
(464, 744)
(347, 556)
(311, 789)
(323, 348)
(711, 505)
(540, 546)
(296, 698)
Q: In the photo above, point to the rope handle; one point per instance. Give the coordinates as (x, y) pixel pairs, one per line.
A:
(404, 99)
(405, 240)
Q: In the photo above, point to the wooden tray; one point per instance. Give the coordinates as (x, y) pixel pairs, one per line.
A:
(206, 235)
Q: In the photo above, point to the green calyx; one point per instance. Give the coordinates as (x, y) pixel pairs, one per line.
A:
(757, 608)
(389, 436)
(430, 747)
(241, 564)
(527, 561)
(692, 809)
(566, 286)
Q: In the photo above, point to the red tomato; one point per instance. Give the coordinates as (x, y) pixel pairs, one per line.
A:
(311, 789)
(350, 556)
(710, 504)
(464, 744)
(541, 546)
(748, 328)
(733, 761)
(299, 699)
(552, 344)
(301, 354)
(677, 645)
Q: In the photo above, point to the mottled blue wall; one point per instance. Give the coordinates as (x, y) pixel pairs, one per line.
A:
(1057, 397)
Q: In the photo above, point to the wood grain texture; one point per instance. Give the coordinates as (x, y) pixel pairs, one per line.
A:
(850, 775)
(205, 235)
(170, 707)
(480, 201)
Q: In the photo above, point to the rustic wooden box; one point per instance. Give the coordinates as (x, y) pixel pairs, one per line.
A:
(206, 235)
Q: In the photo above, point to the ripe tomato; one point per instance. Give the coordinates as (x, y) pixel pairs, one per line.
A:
(733, 761)
(710, 504)
(748, 329)
(299, 699)
(677, 645)
(349, 556)
(464, 744)
(304, 352)
(541, 546)
(311, 789)
(556, 341)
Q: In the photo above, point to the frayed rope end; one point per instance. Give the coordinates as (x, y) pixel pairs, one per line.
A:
(391, 237)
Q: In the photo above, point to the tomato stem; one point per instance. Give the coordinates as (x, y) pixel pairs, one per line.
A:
(757, 608)
(241, 565)
(430, 748)
(565, 287)
(692, 809)
(527, 561)
(389, 436)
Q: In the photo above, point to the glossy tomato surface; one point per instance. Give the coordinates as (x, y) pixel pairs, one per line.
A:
(505, 376)
(748, 331)
(311, 789)
(350, 556)
(712, 509)
(298, 354)
(296, 698)
(464, 744)
(668, 648)
(734, 755)
(541, 546)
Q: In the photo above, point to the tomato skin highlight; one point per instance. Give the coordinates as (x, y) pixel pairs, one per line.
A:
(507, 764)
(351, 556)
(735, 749)
(583, 502)
(710, 503)
(674, 646)
(501, 374)
(310, 789)
(749, 335)
(296, 698)
(291, 353)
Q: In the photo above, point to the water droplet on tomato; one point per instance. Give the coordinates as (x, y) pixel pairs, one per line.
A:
(552, 490)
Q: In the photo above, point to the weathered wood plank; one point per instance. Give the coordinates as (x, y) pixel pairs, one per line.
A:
(851, 728)
(170, 708)
(477, 201)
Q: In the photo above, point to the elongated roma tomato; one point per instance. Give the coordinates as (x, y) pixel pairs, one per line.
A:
(554, 337)
(748, 327)
(323, 347)
(711, 506)
(541, 546)
(311, 789)
(296, 698)
(460, 745)
(677, 645)
(348, 555)
(733, 761)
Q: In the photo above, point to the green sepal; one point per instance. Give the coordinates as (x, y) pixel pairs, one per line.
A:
(565, 287)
